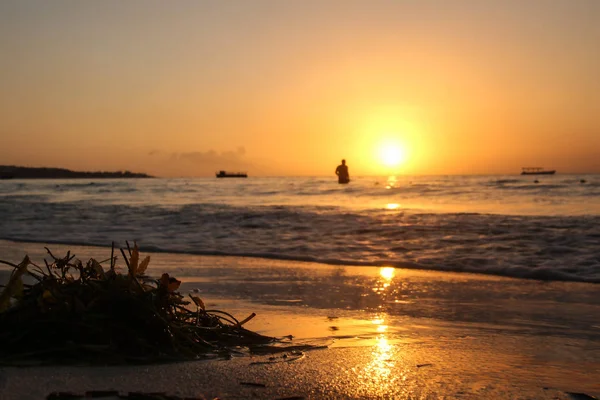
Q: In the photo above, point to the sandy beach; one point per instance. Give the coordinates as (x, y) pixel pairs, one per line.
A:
(387, 333)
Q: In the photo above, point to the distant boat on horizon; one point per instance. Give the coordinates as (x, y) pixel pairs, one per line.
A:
(225, 174)
(537, 171)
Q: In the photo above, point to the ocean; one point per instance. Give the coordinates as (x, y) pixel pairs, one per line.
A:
(538, 227)
(311, 259)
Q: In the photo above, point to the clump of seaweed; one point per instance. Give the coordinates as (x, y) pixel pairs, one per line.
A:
(91, 313)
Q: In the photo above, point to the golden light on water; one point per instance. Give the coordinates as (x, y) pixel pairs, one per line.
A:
(383, 347)
(387, 273)
(377, 374)
(392, 206)
(391, 182)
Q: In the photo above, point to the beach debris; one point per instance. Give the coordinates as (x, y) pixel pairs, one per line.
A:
(291, 357)
(113, 394)
(424, 365)
(248, 318)
(291, 398)
(580, 396)
(90, 312)
(273, 349)
(255, 384)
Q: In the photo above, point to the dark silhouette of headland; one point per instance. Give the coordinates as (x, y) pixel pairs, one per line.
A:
(14, 172)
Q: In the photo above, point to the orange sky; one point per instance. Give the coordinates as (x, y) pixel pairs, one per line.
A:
(290, 87)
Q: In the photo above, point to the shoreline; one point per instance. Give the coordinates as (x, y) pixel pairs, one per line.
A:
(390, 333)
(530, 276)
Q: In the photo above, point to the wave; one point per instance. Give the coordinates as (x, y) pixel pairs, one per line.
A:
(519, 272)
(536, 186)
(505, 181)
(349, 225)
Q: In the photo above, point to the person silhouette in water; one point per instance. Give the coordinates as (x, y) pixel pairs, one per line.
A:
(342, 172)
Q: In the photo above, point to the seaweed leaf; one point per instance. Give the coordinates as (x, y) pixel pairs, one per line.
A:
(15, 284)
(133, 261)
(170, 284)
(48, 297)
(97, 267)
(112, 256)
(198, 301)
(18, 290)
(143, 265)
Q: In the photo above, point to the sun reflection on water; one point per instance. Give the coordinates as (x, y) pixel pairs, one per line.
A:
(377, 375)
(387, 273)
(391, 182)
(381, 328)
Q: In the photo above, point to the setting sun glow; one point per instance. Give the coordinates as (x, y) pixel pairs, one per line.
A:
(392, 155)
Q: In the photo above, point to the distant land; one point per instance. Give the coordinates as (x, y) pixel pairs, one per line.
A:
(14, 172)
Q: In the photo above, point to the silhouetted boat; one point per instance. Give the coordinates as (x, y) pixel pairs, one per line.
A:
(225, 174)
(537, 171)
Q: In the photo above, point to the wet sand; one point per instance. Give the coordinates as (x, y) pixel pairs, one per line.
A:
(389, 333)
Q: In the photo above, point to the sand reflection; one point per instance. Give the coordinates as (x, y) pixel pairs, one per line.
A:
(378, 374)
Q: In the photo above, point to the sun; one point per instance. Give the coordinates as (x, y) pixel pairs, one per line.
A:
(391, 154)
